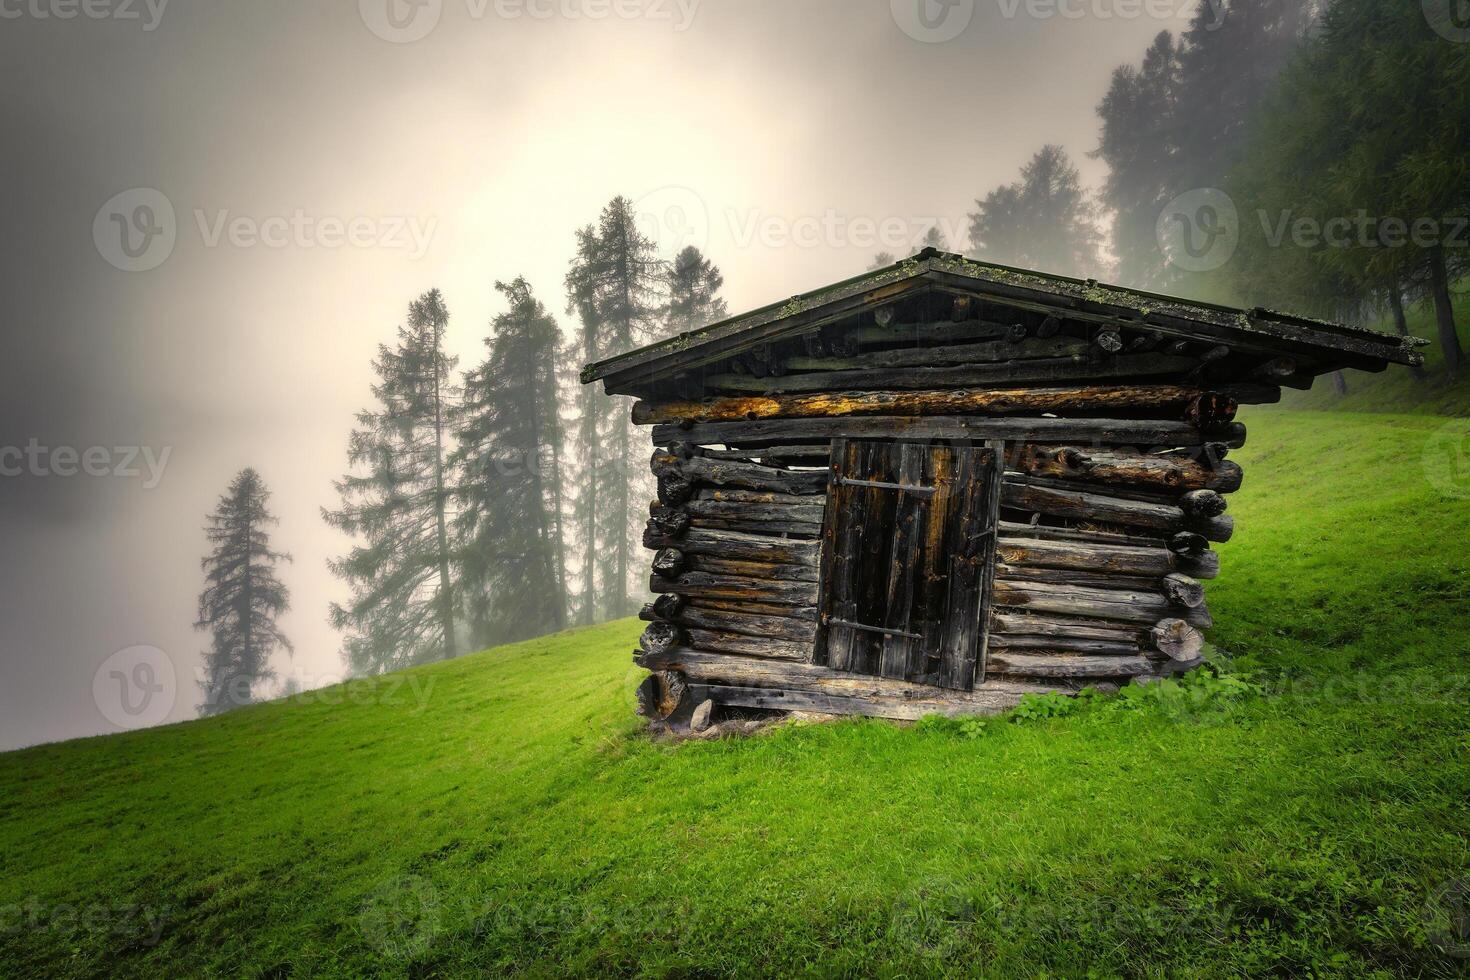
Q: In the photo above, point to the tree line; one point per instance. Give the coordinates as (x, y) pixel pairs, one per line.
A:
(498, 504)
(1345, 118)
(486, 506)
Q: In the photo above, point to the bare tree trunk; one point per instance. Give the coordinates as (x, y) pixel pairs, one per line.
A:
(590, 488)
(446, 596)
(1444, 312)
(1401, 322)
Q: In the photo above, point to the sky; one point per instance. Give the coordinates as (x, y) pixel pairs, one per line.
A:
(216, 211)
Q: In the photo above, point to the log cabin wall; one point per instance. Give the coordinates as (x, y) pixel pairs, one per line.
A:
(1110, 497)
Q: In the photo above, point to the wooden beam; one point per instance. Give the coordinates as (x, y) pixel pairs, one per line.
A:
(948, 355)
(1159, 401)
(1134, 432)
(705, 667)
(741, 546)
(1124, 605)
(1062, 369)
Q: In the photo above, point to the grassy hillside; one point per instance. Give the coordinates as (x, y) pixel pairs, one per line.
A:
(1397, 390)
(501, 812)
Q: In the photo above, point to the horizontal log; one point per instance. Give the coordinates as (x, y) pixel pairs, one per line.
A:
(771, 627)
(1076, 369)
(799, 525)
(783, 455)
(1043, 532)
(789, 611)
(1149, 472)
(740, 546)
(730, 496)
(947, 355)
(735, 473)
(1167, 473)
(1019, 493)
(1083, 556)
(1158, 401)
(741, 511)
(752, 569)
(1072, 576)
(1014, 643)
(1122, 431)
(704, 667)
(750, 646)
(927, 332)
(870, 706)
(1067, 665)
(733, 587)
(1124, 605)
(1006, 621)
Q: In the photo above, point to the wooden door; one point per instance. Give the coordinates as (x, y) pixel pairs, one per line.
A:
(908, 544)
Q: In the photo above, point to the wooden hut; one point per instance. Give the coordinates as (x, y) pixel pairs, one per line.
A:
(944, 484)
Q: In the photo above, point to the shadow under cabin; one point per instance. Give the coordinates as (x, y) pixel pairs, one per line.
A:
(945, 484)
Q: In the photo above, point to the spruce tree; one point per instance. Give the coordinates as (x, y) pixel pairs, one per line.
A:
(1044, 221)
(616, 286)
(508, 530)
(694, 284)
(1136, 143)
(404, 602)
(242, 596)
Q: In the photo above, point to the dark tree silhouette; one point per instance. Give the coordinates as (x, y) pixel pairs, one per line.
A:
(242, 596)
(509, 528)
(404, 601)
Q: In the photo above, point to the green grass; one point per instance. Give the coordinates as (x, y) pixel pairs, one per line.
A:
(501, 812)
(1396, 389)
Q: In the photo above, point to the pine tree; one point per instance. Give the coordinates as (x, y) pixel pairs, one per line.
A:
(404, 602)
(1044, 221)
(881, 261)
(509, 530)
(242, 596)
(615, 286)
(1136, 143)
(934, 238)
(1332, 146)
(1229, 59)
(694, 284)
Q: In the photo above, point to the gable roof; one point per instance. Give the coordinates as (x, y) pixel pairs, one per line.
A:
(1332, 345)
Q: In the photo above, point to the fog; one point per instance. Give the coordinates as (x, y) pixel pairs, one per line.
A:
(321, 175)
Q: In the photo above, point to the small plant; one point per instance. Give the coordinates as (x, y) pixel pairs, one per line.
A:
(1037, 707)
